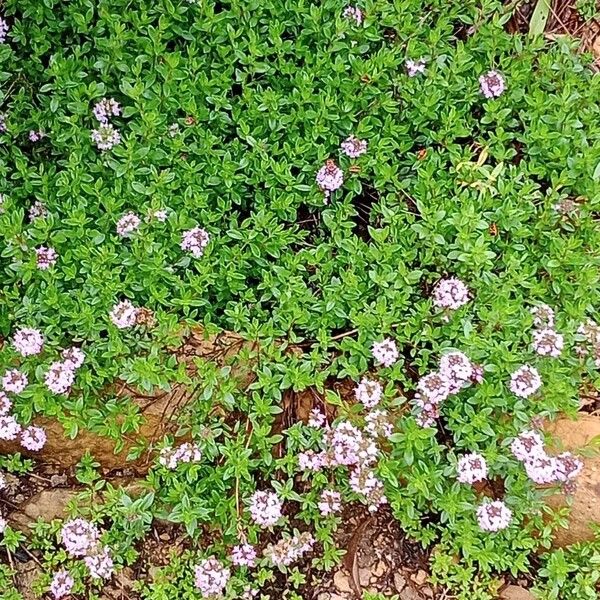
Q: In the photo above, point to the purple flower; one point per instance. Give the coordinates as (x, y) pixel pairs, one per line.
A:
(330, 502)
(194, 241)
(265, 508)
(9, 428)
(456, 365)
(14, 381)
(45, 257)
(5, 404)
(211, 577)
(60, 377)
(368, 392)
(79, 537)
(37, 211)
(543, 316)
(471, 468)
(385, 353)
(243, 555)
(289, 549)
(33, 438)
(568, 466)
(548, 342)
(493, 516)
(525, 381)
(28, 341)
(435, 386)
(4, 28)
(316, 419)
(62, 584)
(491, 84)
(353, 147)
(124, 314)
(527, 445)
(329, 178)
(105, 137)
(127, 224)
(414, 67)
(353, 13)
(36, 136)
(99, 563)
(73, 356)
(450, 293)
(105, 109)
(378, 424)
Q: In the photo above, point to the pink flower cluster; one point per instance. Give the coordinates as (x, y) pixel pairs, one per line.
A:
(525, 381)
(491, 84)
(5, 404)
(195, 241)
(354, 14)
(14, 381)
(353, 147)
(493, 516)
(105, 137)
(317, 419)
(546, 341)
(187, 452)
(9, 428)
(456, 372)
(385, 353)
(3, 524)
(124, 314)
(211, 577)
(127, 224)
(450, 294)
(2, 481)
(330, 502)
(33, 438)
(329, 178)
(471, 468)
(45, 257)
(60, 377)
(541, 468)
(37, 211)
(62, 584)
(81, 538)
(265, 508)
(364, 482)
(243, 555)
(414, 67)
(288, 550)
(368, 392)
(28, 341)
(378, 424)
(4, 29)
(591, 334)
(105, 109)
(99, 563)
(543, 316)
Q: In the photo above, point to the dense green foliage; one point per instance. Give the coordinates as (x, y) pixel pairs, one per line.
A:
(263, 92)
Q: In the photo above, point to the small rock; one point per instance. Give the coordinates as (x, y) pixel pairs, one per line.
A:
(420, 577)
(399, 582)
(427, 591)
(364, 577)
(324, 596)
(516, 592)
(47, 505)
(409, 593)
(342, 582)
(58, 480)
(379, 569)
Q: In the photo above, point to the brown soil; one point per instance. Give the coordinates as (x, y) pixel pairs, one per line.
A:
(563, 20)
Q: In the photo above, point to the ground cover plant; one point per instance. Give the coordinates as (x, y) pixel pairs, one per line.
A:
(396, 202)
